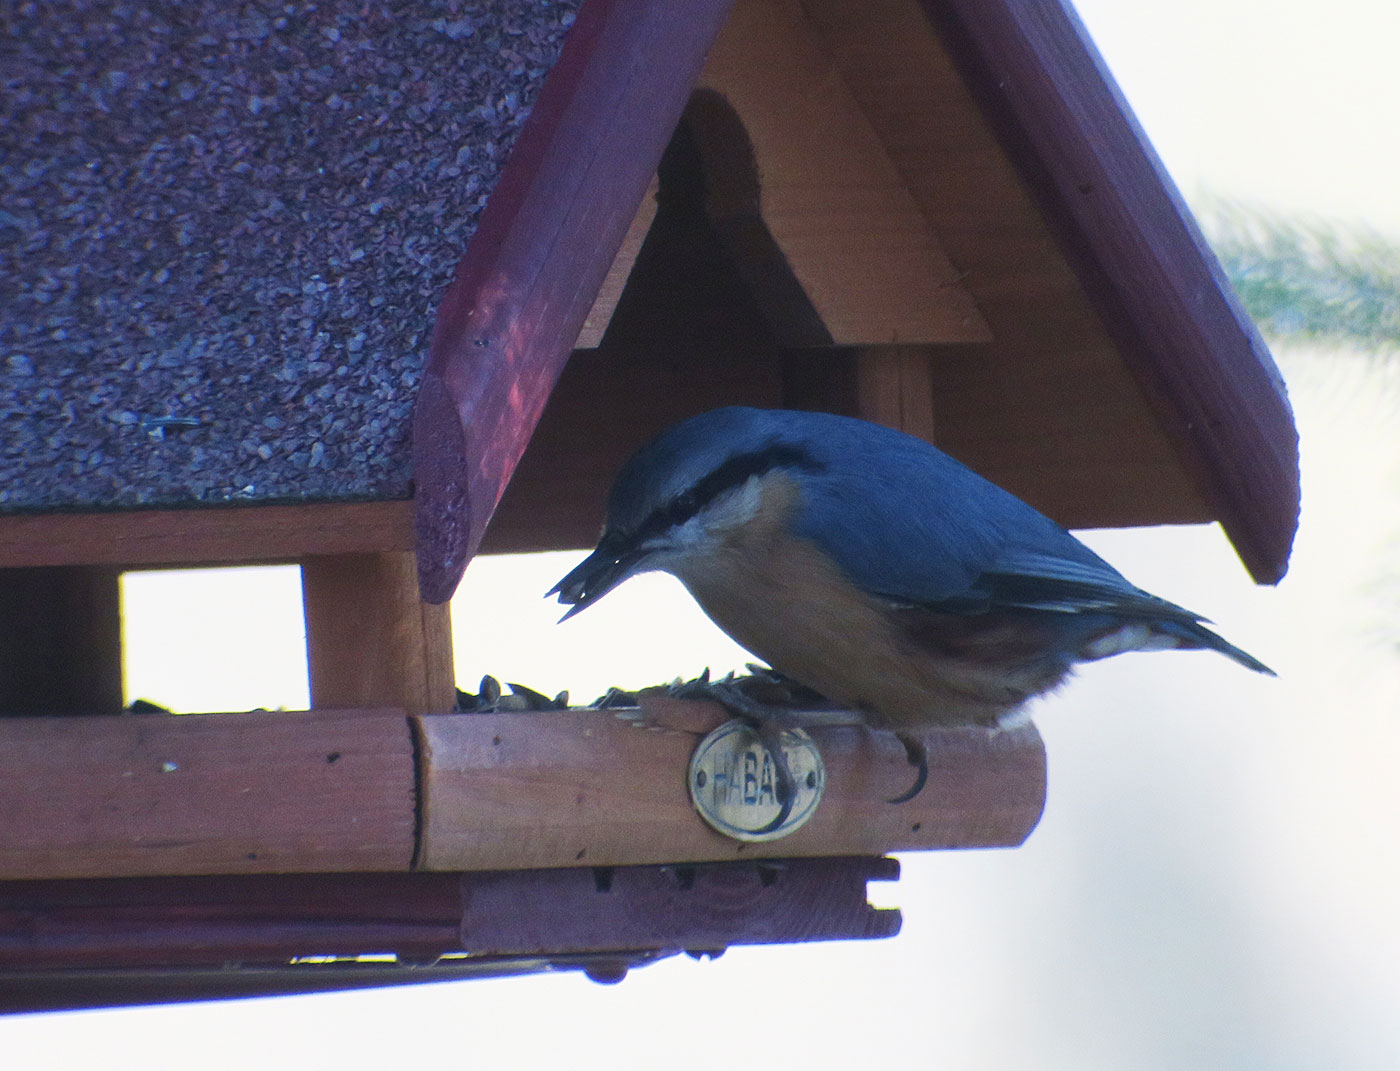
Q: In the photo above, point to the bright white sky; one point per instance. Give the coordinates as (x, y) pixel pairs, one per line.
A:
(1212, 884)
(1286, 104)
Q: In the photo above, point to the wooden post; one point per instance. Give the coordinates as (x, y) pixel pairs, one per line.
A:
(60, 641)
(894, 386)
(370, 639)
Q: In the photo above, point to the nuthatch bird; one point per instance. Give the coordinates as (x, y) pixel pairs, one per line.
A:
(873, 568)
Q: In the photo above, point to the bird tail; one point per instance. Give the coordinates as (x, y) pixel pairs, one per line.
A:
(1195, 636)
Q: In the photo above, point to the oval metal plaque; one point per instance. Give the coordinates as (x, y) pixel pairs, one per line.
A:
(732, 782)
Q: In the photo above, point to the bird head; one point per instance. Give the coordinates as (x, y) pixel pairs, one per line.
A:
(680, 492)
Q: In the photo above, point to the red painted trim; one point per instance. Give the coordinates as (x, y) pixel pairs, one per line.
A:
(543, 247)
(1142, 258)
(91, 943)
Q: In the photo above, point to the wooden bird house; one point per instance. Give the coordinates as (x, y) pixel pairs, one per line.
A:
(373, 290)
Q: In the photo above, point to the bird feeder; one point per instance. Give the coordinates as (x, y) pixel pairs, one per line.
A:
(373, 294)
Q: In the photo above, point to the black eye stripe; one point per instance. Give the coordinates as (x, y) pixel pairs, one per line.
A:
(733, 473)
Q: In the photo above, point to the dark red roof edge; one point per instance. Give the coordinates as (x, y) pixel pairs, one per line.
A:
(545, 242)
(1141, 256)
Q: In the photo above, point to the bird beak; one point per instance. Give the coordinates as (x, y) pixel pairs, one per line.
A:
(595, 576)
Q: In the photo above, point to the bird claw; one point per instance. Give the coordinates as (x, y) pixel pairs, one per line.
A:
(768, 724)
(917, 755)
(770, 735)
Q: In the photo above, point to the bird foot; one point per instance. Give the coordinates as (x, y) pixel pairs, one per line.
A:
(917, 754)
(768, 724)
(769, 717)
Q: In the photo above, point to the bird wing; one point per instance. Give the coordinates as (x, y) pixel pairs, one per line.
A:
(915, 527)
(921, 531)
(1036, 580)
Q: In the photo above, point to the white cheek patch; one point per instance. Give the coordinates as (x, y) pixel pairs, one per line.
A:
(733, 509)
(691, 534)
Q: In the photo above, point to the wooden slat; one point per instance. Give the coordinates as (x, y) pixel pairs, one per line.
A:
(268, 919)
(545, 242)
(60, 640)
(828, 194)
(205, 793)
(594, 788)
(371, 641)
(208, 536)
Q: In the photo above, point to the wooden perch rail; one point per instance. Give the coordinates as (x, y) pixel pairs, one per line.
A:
(586, 787)
(315, 791)
(159, 794)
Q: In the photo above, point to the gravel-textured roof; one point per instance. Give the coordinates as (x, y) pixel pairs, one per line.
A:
(224, 232)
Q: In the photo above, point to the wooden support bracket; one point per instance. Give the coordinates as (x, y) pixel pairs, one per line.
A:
(834, 203)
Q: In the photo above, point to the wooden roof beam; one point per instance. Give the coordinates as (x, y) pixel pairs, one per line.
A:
(595, 324)
(1141, 258)
(225, 535)
(541, 252)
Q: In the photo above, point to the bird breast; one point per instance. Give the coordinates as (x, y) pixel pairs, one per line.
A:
(781, 597)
